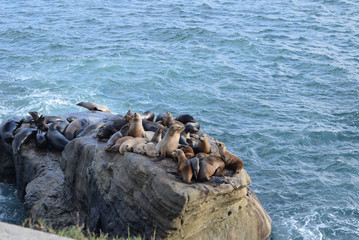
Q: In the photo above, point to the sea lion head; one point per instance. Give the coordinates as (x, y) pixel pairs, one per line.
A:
(169, 116)
(175, 128)
(137, 116)
(221, 146)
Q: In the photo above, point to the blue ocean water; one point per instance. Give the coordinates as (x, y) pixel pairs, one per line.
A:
(276, 81)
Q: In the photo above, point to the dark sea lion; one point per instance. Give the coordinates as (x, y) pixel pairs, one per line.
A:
(185, 118)
(90, 128)
(169, 143)
(191, 127)
(75, 128)
(194, 163)
(38, 119)
(148, 115)
(232, 161)
(209, 166)
(111, 127)
(93, 106)
(8, 127)
(63, 124)
(160, 116)
(55, 139)
(182, 167)
(136, 128)
(22, 137)
(113, 140)
(41, 139)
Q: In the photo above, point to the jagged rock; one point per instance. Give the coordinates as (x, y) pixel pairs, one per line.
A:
(113, 192)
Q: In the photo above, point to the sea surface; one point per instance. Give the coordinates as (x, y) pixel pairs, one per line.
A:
(276, 81)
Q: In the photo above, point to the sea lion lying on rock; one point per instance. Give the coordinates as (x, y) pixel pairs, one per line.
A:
(232, 161)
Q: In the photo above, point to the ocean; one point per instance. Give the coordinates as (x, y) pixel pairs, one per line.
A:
(276, 81)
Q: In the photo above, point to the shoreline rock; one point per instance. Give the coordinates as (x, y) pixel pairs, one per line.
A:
(111, 192)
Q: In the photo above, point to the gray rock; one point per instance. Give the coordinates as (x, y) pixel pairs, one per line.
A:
(113, 192)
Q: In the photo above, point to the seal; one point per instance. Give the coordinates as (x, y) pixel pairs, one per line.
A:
(136, 128)
(148, 115)
(139, 148)
(118, 143)
(94, 106)
(22, 137)
(128, 145)
(75, 128)
(169, 143)
(194, 163)
(8, 127)
(158, 135)
(209, 166)
(150, 149)
(185, 118)
(90, 128)
(232, 161)
(188, 151)
(55, 139)
(203, 145)
(41, 139)
(160, 117)
(170, 121)
(182, 167)
(113, 140)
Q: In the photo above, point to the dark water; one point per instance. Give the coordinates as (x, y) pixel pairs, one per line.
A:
(277, 81)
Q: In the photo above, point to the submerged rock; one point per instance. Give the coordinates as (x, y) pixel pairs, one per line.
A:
(113, 192)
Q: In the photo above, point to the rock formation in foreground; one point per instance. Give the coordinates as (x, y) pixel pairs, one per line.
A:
(112, 192)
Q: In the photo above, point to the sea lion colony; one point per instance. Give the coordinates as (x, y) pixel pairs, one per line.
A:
(198, 156)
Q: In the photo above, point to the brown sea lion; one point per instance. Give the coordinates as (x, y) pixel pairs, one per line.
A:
(128, 145)
(182, 167)
(158, 135)
(203, 145)
(93, 106)
(118, 143)
(188, 151)
(232, 161)
(209, 166)
(169, 143)
(136, 128)
(150, 149)
(139, 148)
(170, 121)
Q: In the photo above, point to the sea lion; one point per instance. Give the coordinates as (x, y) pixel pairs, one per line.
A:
(194, 163)
(40, 119)
(111, 127)
(192, 127)
(185, 118)
(22, 137)
(41, 139)
(148, 115)
(169, 143)
(113, 140)
(93, 106)
(139, 148)
(160, 116)
(128, 145)
(182, 167)
(188, 151)
(55, 139)
(8, 127)
(90, 128)
(170, 121)
(157, 136)
(209, 166)
(232, 161)
(136, 128)
(203, 145)
(150, 149)
(118, 143)
(75, 128)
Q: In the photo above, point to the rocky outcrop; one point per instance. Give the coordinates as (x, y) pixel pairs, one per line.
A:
(113, 192)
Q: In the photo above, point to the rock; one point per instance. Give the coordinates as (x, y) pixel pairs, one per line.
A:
(113, 192)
